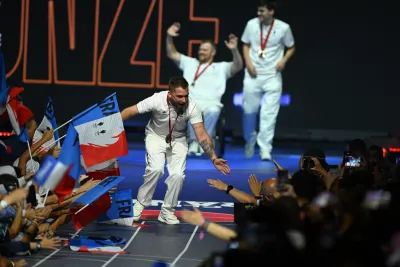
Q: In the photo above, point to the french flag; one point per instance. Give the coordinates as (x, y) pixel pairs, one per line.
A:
(103, 170)
(94, 203)
(52, 119)
(11, 107)
(95, 245)
(50, 173)
(18, 113)
(69, 156)
(48, 123)
(101, 132)
(3, 85)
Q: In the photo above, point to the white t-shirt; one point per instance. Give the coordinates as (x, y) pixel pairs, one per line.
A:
(159, 122)
(281, 36)
(211, 84)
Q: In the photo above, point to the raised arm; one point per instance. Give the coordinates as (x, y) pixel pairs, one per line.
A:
(237, 63)
(172, 54)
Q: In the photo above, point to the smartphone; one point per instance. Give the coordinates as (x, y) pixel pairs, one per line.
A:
(307, 164)
(283, 179)
(350, 161)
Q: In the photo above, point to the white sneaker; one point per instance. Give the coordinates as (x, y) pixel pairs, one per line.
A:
(193, 148)
(265, 156)
(137, 211)
(168, 217)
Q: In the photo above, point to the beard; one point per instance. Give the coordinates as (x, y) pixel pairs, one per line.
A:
(176, 104)
(203, 59)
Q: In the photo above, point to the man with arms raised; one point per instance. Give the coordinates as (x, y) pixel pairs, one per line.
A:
(166, 139)
(207, 79)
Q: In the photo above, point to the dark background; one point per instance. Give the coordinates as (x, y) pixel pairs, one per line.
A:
(342, 77)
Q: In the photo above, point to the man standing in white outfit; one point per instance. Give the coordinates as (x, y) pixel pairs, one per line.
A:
(207, 78)
(166, 139)
(265, 39)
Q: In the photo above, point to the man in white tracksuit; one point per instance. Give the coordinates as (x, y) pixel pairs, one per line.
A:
(207, 79)
(166, 139)
(265, 39)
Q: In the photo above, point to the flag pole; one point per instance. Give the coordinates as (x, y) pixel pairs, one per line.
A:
(52, 143)
(45, 198)
(63, 125)
(84, 207)
(30, 154)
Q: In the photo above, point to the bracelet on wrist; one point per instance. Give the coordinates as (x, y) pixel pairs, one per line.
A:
(230, 187)
(204, 225)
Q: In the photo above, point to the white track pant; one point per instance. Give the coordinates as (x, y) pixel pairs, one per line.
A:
(157, 150)
(253, 90)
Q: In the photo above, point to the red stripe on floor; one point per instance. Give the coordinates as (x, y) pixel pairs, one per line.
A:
(212, 216)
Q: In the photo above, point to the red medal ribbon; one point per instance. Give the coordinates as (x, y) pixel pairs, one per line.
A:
(264, 44)
(197, 75)
(169, 136)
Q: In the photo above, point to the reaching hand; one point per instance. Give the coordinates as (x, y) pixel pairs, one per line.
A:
(50, 243)
(32, 214)
(16, 195)
(255, 186)
(173, 30)
(232, 43)
(218, 184)
(221, 165)
(193, 217)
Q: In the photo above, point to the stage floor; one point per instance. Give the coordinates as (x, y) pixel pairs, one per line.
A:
(181, 245)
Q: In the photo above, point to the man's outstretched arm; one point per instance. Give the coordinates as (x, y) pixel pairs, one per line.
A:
(207, 145)
(204, 140)
(129, 112)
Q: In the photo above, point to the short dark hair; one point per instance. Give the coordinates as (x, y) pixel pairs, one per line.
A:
(176, 82)
(271, 5)
(209, 41)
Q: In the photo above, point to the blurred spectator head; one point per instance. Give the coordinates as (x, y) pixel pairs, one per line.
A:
(357, 148)
(307, 185)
